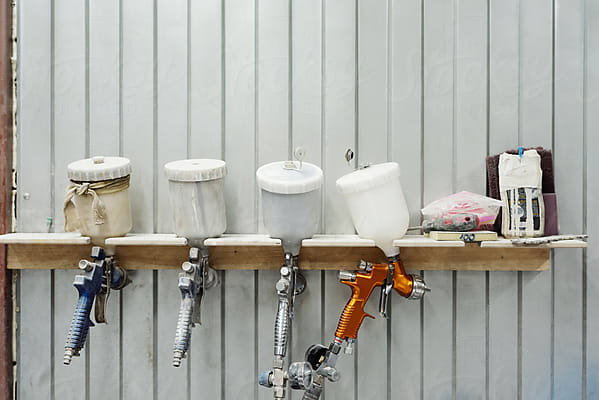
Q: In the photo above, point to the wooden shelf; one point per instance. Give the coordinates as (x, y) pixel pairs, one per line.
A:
(322, 252)
(507, 244)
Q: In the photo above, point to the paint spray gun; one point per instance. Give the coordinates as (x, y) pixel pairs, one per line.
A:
(320, 360)
(195, 278)
(291, 283)
(94, 285)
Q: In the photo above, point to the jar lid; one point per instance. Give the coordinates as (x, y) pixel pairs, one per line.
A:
(289, 177)
(368, 178)
(98, 168)
(195, 170)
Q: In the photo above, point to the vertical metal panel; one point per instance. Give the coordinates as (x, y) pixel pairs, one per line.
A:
(568, 114)
(137, 109)
(503, 135)
(240, 153)
(137, 337)
(470, 124)
(33, 201)
(591, 125)
(35, 335)
(338, 107)
(137, 129)
(239, 141)
(405, 130)
(240, 380)
(69, 145)
(205, 78)
(306, 78)
(310, 74)
(103, 64)
(103, 25)
(34, 99)
(171, 91)
(535, 129)
(372, 147)
(438, 181)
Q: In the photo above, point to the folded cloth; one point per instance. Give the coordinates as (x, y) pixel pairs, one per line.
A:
(548, 184)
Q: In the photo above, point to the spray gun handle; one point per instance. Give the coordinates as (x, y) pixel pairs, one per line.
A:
(362, 285)
(87, 285)
(188, 285)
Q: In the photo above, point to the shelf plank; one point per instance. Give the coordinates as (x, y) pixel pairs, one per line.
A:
(249, 252)
(147, 239)
(423, 241)
(507, 244)
(469, 257)
(242, 240)
(68, 238)
(337, 241)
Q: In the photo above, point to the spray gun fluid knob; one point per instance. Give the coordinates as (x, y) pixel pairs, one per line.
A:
(347, 276)
(85, 265)
(187, 267)
(282, 285)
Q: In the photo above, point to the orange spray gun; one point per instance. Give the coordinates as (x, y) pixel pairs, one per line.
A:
(320, 361)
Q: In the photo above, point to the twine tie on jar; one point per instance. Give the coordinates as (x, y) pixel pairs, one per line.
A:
(93, 189)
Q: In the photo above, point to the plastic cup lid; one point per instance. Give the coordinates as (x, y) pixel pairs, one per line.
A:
(368, 178)
(195, 170)
(98, 168)
(288, 177)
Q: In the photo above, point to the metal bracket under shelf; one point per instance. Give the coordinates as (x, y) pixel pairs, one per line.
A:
(247, 251)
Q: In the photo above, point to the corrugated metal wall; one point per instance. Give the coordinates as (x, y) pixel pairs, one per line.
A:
(433, 84)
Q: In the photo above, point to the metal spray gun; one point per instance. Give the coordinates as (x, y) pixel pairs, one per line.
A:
(291, 283)
(94, 283)
(195, 278)
(320, 360)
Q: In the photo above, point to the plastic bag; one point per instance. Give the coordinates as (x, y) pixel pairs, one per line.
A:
(485, 208)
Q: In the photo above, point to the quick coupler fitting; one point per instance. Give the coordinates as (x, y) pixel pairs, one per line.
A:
(265, 379)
